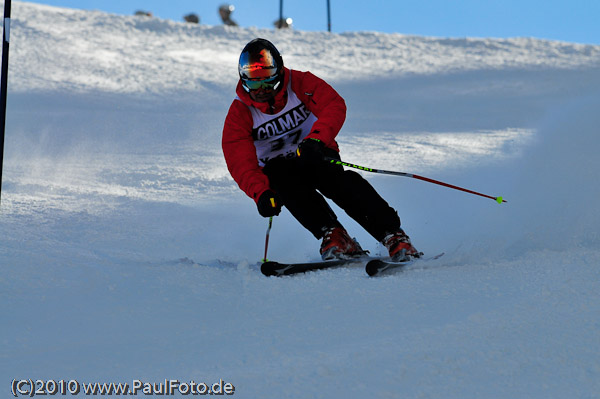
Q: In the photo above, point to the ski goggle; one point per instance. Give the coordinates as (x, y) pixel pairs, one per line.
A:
(270, 83)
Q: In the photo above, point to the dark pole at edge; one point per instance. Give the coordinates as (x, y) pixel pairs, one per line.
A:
(328, 17)
(280, 22)
(4, 83)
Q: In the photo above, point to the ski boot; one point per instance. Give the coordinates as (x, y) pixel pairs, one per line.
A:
(399, 246)
(337, 244)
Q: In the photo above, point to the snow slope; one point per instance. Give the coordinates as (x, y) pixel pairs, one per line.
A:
(128, 252)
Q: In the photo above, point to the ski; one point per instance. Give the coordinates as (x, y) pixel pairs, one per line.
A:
(374, 266)
(271, 268)
(378, 267)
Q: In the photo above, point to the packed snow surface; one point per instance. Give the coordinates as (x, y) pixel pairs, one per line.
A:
(128, 253)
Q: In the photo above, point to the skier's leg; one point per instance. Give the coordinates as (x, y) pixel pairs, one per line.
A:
(300, 197)
(355, 195)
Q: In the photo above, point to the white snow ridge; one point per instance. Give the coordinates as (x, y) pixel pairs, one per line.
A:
(128, 253)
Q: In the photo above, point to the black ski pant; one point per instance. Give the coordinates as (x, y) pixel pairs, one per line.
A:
(303, 186)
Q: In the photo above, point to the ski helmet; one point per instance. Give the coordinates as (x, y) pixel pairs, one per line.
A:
(260, 66)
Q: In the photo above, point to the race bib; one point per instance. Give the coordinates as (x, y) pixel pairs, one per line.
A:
(279, 135)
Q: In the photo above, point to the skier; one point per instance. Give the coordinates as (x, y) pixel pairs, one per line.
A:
(278, 132)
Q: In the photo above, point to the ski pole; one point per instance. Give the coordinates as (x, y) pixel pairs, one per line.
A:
(351, 165)
(4, 82)
(267, 239)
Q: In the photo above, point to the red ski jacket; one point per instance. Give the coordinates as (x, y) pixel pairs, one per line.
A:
(238, 145)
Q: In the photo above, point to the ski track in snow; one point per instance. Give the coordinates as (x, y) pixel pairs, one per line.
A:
(129, 253)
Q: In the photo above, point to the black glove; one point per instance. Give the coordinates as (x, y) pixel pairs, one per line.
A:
(269, 204)
(311, 151)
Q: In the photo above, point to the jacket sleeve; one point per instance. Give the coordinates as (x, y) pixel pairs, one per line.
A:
(323, 101)
(240, 153)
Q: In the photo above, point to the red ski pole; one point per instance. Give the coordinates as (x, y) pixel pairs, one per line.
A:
(351, 165)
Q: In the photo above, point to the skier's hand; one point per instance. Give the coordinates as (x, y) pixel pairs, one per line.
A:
(311, 151)
(269, 204)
